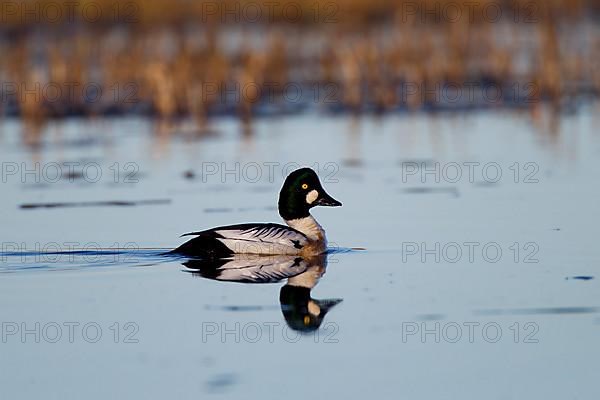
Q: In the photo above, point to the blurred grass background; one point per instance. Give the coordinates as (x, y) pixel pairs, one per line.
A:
(195, 59)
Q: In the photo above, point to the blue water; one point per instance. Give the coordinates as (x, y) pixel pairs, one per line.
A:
(478, 286)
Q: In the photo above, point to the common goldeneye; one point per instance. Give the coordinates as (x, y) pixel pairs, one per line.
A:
(303, 236)
(300, 310)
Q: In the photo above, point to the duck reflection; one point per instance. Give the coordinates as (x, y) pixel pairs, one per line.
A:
(301, 312)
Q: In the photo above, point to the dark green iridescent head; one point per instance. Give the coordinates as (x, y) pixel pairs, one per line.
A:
(302, 191)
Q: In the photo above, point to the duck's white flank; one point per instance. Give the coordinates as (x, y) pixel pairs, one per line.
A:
(309, 226)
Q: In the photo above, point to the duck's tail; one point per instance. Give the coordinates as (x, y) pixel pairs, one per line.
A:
(204, 246)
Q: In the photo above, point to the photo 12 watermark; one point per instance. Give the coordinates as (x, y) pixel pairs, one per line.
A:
(470, 252)
(236, 11)
(270, 92)
(468, 93)
(67, 11)
(68, 172)
(470, 171)
(68, 252)
(469, 332)
(267, 171)
(68, 332)
(248, 93)
(469, 11)
(266, 332)
(70, 92)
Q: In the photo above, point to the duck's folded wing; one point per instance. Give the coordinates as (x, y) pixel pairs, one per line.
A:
(253, 269)
(245, 239)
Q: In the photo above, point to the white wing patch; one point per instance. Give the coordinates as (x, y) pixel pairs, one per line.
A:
(269, 239)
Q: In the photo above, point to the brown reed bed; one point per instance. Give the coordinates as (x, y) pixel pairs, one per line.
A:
(150, 13)
(180, 59)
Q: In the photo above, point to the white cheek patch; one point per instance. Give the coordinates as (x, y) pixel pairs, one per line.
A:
(313, 308)
(312, 196)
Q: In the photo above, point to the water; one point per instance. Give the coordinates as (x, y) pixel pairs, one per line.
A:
(500, 272)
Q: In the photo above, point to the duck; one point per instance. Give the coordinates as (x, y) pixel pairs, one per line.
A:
(246, 268)
(302, 313)
(303, 236)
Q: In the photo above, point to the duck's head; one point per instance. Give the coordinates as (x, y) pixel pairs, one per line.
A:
(301, 312)
(302, 191)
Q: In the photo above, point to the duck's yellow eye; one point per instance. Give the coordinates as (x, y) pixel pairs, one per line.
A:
(304, 186)
(306, 320)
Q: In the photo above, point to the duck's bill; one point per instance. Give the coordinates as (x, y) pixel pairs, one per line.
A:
(327, 201)
(328, 304)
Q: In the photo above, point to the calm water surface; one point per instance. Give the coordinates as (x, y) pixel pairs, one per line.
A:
(479, 277)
